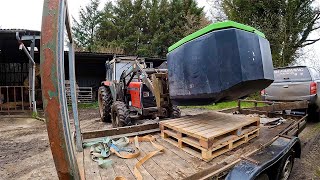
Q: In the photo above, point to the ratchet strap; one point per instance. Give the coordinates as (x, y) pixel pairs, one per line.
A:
(105, 147)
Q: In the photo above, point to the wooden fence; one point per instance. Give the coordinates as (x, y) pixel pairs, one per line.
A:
(14, 99)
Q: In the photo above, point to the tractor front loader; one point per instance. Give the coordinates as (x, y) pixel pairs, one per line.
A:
(132, 91)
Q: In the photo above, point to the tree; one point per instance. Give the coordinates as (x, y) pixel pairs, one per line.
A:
(148, 27)
(85, 29)
(286, 24)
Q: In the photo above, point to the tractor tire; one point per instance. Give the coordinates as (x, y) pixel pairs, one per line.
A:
(175, 112)
(120, 114)
(105, 103)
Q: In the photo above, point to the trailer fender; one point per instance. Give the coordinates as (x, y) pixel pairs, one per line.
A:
(260, 162)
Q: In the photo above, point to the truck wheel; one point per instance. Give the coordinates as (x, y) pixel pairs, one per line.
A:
(120, 114)
(175, 112)
(105, 102)
(313, 114)
(285, 166)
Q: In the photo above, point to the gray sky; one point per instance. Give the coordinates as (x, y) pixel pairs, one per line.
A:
(27, 14)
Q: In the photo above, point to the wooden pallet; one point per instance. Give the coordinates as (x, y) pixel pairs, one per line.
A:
(210, 134)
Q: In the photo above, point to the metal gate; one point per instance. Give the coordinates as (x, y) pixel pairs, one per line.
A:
(84, 95)
(14, 99)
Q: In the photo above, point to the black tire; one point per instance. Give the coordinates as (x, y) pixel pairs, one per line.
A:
(175, 112)
(105, 103)
(120, 114)
(313, 114)
(262, 177)
(284, 167)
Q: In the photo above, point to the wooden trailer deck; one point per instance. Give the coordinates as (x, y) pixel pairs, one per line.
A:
(174, 163)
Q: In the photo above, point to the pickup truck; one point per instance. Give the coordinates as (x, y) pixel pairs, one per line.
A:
(295, 84)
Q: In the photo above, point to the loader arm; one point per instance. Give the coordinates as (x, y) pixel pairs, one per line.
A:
(150, 78)
(137, 69)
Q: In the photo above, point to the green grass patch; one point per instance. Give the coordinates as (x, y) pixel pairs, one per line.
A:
(223, 105)
(317, 173)
(93, 105)
(215, 106)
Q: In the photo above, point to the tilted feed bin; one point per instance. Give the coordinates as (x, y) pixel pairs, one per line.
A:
(223, 61)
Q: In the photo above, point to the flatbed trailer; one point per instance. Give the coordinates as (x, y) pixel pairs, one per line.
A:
(260, 157)
(175, 163)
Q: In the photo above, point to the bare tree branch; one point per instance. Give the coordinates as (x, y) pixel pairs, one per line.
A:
(316, 28)
(307, 31)
(310, 42)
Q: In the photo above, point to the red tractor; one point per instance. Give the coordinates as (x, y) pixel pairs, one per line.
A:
(132, 91)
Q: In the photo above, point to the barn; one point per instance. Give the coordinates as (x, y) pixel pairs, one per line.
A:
(20, 91)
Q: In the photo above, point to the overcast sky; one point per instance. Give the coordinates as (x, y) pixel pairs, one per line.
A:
(27, 14)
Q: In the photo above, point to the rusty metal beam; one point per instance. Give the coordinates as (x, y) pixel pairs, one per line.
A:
(53, 88)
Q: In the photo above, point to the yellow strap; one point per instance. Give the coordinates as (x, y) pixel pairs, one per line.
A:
(120, 178)
(136, 140)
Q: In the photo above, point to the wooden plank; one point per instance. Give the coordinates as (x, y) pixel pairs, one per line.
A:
(180, 163)
(204, 123)
(216, 134)
(186, 132)
(144, 173)
(195, 162)
(80, 161)
(119, 131)
(140, 133)
(91, 167)
(108, 173)
(227, 129)
(192, 142)
(197, 117)
(279, 107)
(177, 119)
(121, 168)
(181, 122)
(153, 168)
(165, 163)
(201, 129)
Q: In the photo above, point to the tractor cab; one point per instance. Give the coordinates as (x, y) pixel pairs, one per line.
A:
(118, 65)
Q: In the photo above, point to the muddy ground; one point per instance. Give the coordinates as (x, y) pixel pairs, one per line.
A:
(25, 151)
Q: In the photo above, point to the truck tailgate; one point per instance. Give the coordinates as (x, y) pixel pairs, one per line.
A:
(287, 91)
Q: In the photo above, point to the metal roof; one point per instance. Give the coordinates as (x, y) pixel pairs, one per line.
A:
(22, 31)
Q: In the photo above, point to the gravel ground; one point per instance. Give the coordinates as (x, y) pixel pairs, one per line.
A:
(25, 151)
